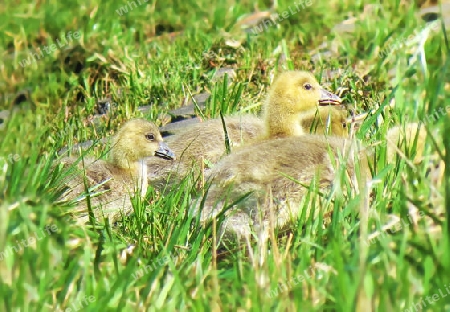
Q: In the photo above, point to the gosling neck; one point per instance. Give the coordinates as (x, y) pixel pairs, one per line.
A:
(124, 158)
(284, 122)
(283, 125)
(136, 168)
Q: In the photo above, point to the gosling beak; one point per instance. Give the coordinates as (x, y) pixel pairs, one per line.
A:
(165, 152)
(328, 98)
(357, 118)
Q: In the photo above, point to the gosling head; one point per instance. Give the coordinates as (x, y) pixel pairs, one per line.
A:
(292, 94)
(138, 139)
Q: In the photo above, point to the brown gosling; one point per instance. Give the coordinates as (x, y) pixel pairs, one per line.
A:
(269, 175)
(112, 183)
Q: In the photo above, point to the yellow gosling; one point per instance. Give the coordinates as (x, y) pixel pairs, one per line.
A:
(112, 183)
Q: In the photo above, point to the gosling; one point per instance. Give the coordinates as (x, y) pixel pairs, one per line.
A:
(111, 184)
(270, 175)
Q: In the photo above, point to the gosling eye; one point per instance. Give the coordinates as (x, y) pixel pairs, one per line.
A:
(150, 136)
(307, 86)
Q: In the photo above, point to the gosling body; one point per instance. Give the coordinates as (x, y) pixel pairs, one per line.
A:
(202, 145)
(269, 175)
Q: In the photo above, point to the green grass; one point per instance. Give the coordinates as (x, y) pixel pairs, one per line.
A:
(160, 53)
